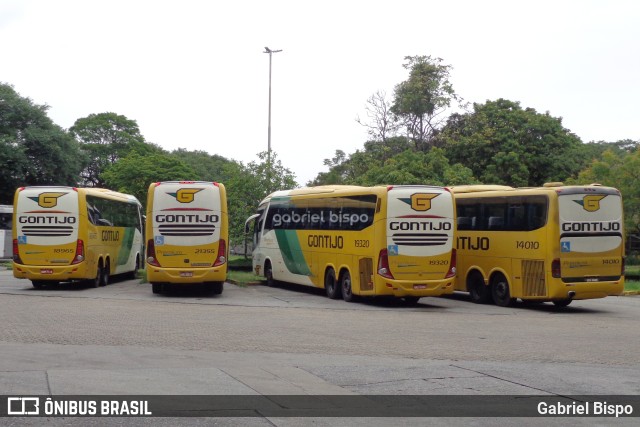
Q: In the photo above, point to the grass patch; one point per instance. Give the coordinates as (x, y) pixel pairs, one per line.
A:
(632, 270)
(632, 285)
(239, 262)
(243, 277)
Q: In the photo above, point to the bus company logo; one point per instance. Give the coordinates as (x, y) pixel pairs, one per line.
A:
(420, 202)
(47, 200)
(591, 203)
(186, 195)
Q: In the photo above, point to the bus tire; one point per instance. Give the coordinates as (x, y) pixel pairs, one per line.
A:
(216, 287)
(268, 274)
(38, 284)
(104, 278)
(562, 302)
(500, 291)
(331, 284)
(345, 285)
(96, 282)
(478, 291)
(156, 288)
(134, 274)
(410, 301)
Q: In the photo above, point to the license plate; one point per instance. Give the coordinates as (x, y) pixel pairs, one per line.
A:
(419, 286)
(186, 274)
(46, 271)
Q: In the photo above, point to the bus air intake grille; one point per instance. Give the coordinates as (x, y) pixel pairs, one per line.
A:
(419, 239)
(187, 230)
(534, 284)
(47, 230)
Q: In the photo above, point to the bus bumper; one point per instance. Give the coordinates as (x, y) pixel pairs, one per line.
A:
(186, 275)
(590, 290)
(401, 288)
(53, 273)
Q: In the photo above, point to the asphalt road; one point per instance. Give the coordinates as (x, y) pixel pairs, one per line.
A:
(124, 340)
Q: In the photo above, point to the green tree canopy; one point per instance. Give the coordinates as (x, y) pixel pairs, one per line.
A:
(33, 150)
(421, 100)
(106, 138)
(619, 169)
(134, 173)
(502, 143)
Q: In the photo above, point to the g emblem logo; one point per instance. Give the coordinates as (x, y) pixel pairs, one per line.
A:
(186, 195)
(421, 202)
(47, 200)
(591, 203)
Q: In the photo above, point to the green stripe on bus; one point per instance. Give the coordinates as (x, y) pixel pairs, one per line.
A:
(125, 246)
(292, 252)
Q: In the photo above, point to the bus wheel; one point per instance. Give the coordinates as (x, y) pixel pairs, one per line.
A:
(411, 301)
(96, 282)
(268, 273)
(331, 284)
(478, 291)
(345, 284)
(104, 278)
(156, 288)
(216, 287)
(500, 292)
(38, 284)
(562, 302)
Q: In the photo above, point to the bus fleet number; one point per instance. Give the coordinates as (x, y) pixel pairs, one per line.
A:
(522, 244)
(362, 243)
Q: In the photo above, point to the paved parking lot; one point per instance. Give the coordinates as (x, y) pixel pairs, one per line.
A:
(123, 339)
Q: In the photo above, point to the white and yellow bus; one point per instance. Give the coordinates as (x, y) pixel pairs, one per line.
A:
(187, 234)
(350, 240)
(553, 243)
(66, 234)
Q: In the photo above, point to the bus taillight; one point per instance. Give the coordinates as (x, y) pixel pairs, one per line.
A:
(151, 254)
(79, 253)
(452, 266)
(555, 269)
(16, 254)
(222, 250)
(383, 265)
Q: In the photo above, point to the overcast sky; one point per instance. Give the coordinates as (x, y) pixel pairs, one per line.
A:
(192, 73)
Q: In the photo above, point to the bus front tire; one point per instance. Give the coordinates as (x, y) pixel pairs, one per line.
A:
(331, 284)
(268, 273)
(345, 284)
(500, 292)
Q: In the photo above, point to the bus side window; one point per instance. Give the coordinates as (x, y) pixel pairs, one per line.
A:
(464, 223)
(495, 223)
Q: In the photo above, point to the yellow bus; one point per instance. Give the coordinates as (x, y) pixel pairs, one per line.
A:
(187, 233)
(66, 234)
(350, 240)
(553, 243)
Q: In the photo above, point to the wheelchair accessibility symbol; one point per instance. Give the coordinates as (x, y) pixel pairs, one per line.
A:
(565, 247)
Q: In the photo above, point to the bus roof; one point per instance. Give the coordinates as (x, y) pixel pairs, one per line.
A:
(557, 187)
(338, 189)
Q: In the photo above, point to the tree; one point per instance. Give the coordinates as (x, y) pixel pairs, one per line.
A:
(421, 100)
(33, 150)
(249, 186)
(134, 173)
(505, 144)
(382, 123)
(411, 167)
(106, 138)
(620, 170)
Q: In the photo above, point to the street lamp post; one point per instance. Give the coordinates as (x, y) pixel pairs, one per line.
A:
(270, 52)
